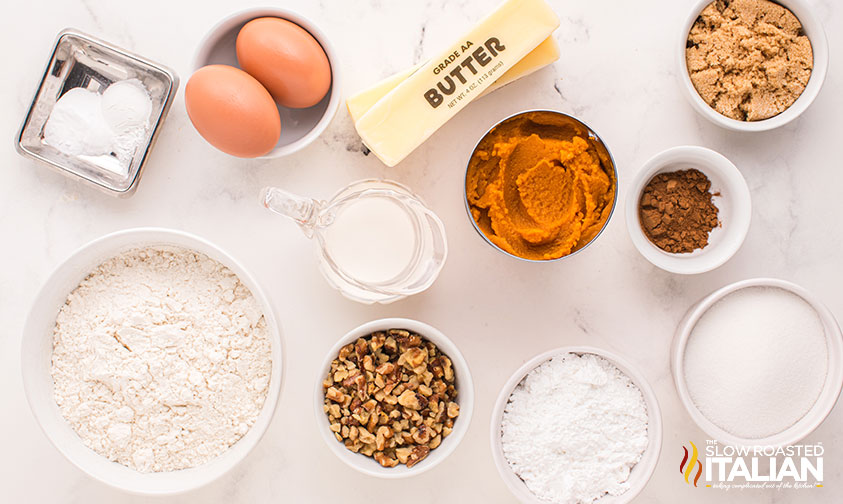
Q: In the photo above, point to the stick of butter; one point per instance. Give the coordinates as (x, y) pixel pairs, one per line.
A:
(418, 106)
(544, 54)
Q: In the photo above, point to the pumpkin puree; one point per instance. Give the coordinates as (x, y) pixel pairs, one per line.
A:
(537, 188)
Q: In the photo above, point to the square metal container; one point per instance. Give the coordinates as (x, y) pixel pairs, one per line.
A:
(79, 60)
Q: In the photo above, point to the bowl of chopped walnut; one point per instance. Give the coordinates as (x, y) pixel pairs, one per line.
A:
(394, 398)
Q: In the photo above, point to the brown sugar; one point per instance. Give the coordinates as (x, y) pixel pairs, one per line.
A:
(676, 211)
(748, 59)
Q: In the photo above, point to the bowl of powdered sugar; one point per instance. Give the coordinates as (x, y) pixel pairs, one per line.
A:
(152, 361)
(576, 425)
(758, 363)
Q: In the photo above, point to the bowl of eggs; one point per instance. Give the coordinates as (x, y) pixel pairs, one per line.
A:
(265, 84)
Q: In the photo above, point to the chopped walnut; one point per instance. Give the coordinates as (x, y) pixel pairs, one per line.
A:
(421, 435)
(403, 454)
(391, 396)
(417, 455)
(368, 449)
(408, 399)
(385, 460)
(453, 410)
(384, 433)
(335, 395)
(365, 436)
(413, 357)
(385, 368)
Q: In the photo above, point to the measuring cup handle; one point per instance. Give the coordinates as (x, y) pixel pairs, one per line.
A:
(306, 212)
(438, 241)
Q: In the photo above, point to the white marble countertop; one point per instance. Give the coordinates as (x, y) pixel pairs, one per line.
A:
(617, 72)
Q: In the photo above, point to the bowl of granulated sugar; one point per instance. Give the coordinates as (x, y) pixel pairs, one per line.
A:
(758, 363)
(576, 425)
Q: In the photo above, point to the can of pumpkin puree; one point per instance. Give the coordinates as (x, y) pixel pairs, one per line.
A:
(540, 185)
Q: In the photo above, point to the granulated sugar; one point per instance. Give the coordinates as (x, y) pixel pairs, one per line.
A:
(574, 428)
(161, 359)
(756, 361)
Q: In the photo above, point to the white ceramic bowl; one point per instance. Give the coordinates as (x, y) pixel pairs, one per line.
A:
(733, 205)
(640, 473)
(299, 127)
(822, 407)
(37, 347)
(465, 398)
(804, 11)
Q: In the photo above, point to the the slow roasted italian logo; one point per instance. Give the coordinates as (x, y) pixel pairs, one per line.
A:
(686, 467)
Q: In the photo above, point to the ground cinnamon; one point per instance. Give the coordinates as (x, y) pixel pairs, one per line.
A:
(677, 212)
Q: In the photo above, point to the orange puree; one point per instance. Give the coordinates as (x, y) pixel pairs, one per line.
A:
(537, 187)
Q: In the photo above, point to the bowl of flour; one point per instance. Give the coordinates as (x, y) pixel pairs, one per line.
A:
(576, 425)
(152, 361)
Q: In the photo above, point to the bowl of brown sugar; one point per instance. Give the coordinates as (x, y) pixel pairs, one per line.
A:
(688, 210)
(752, 65)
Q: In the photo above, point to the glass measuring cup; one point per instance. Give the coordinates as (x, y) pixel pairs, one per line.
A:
(376, 241)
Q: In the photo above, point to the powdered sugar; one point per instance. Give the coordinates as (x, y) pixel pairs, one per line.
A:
(161, 359)
(574, 428)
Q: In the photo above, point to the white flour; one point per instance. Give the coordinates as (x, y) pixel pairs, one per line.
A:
(161, 359)
(573, 429)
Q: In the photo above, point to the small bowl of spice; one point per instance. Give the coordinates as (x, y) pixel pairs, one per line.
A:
(758, 363)
(688, 210)
(394, 398)
(576, 424)
(540, 185)
(752, 65)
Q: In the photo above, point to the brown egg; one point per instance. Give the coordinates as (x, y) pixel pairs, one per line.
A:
(286, 59)
(232, 111)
